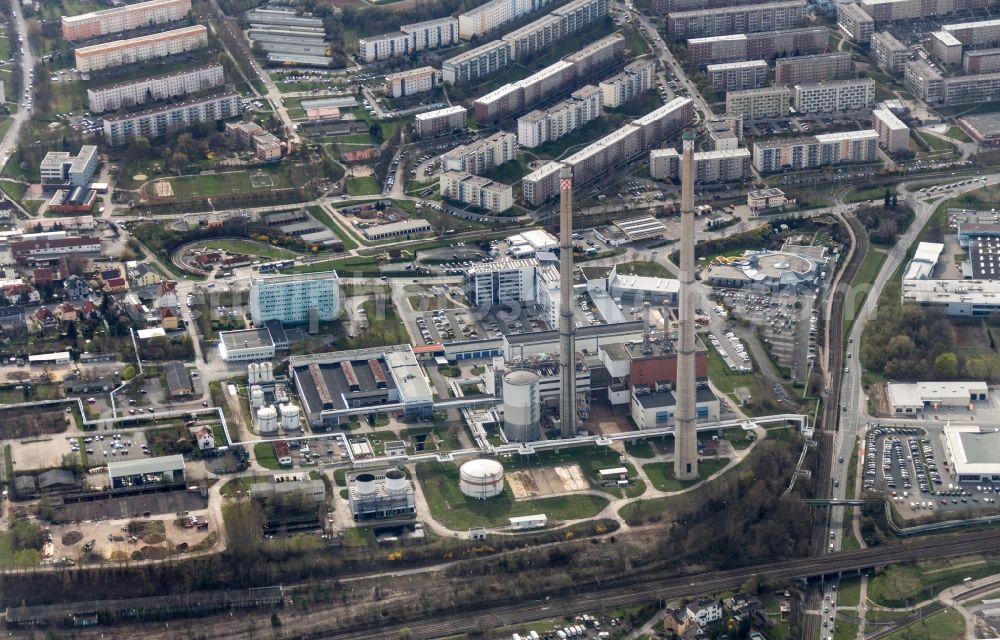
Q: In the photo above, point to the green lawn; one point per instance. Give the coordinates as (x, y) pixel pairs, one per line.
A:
(452, 508)
(643, 268)
(849, 592)
(367, 186)
(320, 214)
(861, 195)
(936, 143)
(957, 134)
(900, 584)
(10, 554)
(215, 184)
(14, 190)
(247, 247)
(640, 449)
(943, 625)
(724, 378)
(862, 283)
(509, 172)
(661, 474)
(588, 132)
(737, 437)
(845, 631)
(263, 452)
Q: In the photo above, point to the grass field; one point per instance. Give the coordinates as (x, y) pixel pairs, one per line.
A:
(643, 268)
(849, 592)
(724, 378)
(452, 508)
(10, 555)
(861, 195)
(263, 452)
(661, 474)
(936, 143)
(845, 631)
(957, 134)
(943, 625)
(246, 247)
(14, 190)
(366, 186)
(860, 286)
(900, 584)
(217, 183)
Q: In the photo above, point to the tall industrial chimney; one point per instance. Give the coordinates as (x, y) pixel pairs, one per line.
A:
(567, 330)
(686, 427)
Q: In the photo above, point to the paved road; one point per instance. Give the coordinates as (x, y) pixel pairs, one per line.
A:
(27, 61)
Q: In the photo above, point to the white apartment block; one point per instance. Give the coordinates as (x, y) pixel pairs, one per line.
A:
(407, 83)
(161, 120)
(493, 15)
(893, 134)
(754, 104)
(928, 85)
(889, 53)
(636, 78)
(835, 96)
(728, 165)
(538, 127)
(855, 23)
(156, 45)
(482, 155)
(410, 38)
(561, 23)
(476, 190)
(170, 85)
(946, 48)
(295, 299)
(476, 63)
(441, 121)
(124, 18)
(812, 152)
(734, 76)
(977, 33)
(383, 46)
(60, 168)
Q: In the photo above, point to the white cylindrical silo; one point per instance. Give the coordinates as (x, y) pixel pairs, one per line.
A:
(267, 372)
(364, 484)
(481, 478)
(256, 396)
(267, 420)
(521, 406)
(395, 481)
(289, 417)
(253, 373)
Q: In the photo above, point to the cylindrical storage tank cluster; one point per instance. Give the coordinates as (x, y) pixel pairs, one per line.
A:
(266, 372)
(522, 420)
(364, 484)
(395, 481)
(267, 420)
(481, 479)
(256, 396)
(253, 373)
(289, 417)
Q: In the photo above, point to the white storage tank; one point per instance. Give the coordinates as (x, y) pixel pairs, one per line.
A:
(253, 373)
(256, 396)
(395, 481)
(521, 406)
(481, 479)
(364, 484)
(267, 372)
(289, 417)
(267, 420)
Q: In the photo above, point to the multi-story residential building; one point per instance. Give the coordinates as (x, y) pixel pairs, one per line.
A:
(728, 165)
(538, 127)
(734, 76)
(170, 85)
(981, 61)
(477, 63)
(977, 33)
(124, 18)
(893, 134)
(636, 78)
(883, 11)
(819, 67)
(835, 95)
(720, 21)
(295, 299)
(560, 23)
(493, 15)
(754, 104)
(946, 48)
(889, 53)
(482, 155)
(501, 282)
(410, 38)
(411, 81)
(855, 23)
(476, 190)
(441, 121)
(597, 56)
(758, 46)
(161, 120)
(614, 149)
(669, 6)
(155, 45)
(265, 145)
(812, 152)
(930, 86)
(61, 169)
(923, 81)
(725, 132)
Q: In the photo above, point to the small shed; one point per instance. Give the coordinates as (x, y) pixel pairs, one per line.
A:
(523, 523)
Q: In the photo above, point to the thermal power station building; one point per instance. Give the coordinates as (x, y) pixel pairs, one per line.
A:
(171, 85)
(329, 383)
(522, 420)
(295, 299)
(380, 494)
(124, 18)
(156, 45)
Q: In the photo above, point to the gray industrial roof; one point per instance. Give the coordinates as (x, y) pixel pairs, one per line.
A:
(178, 380)
(247, 338)
(145, 465)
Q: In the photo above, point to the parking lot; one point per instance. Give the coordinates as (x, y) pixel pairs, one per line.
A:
(732, 350)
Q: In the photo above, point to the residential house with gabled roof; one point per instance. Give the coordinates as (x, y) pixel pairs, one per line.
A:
(66, 312)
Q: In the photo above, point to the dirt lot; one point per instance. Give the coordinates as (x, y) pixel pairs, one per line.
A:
(531, 483)
(114, 540)
(128, 506)
(603, 421)
(27, 423)
(39, 453)
(970, 336)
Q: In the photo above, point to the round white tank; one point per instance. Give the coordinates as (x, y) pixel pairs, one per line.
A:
(289, 417)
(481, 478)
(521, 406)
(256, 396)
(267, 372)
(364, 484)
(395, 480)
(267, 419)
(253, 373)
